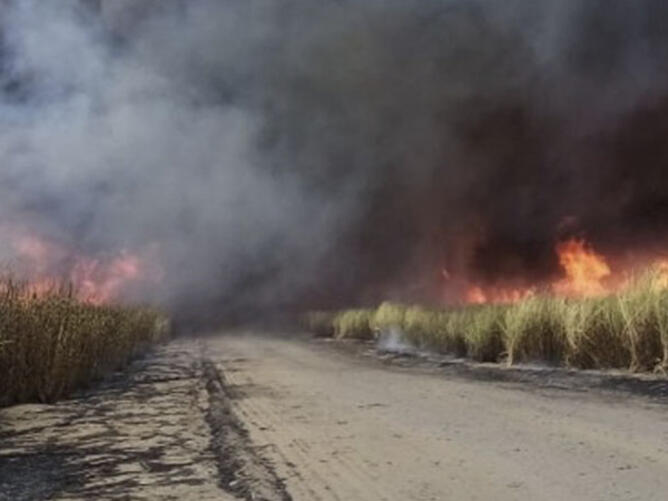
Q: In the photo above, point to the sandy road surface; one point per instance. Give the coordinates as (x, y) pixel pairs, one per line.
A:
(274, 419)
(336, 427)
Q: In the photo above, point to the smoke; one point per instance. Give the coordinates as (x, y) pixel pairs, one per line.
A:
(393, 340)
(281, 154)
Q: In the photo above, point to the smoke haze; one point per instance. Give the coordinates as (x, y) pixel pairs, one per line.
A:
(282, 154)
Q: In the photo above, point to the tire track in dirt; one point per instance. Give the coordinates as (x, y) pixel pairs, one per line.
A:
(243, 472)
(264, 419)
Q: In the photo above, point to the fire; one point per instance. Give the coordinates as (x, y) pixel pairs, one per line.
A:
(46, 265)
(477, 295)
(101, 282)
(585, 270)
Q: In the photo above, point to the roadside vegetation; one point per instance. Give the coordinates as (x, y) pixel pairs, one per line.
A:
(52, 343)
(628, 329)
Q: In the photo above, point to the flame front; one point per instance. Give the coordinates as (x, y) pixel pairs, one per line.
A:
(585, 270)
(101, 282)
(584, 273)
(476, 294)
(45, 266)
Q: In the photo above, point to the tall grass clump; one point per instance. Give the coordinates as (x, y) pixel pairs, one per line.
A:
(624, 330)
(640, 308)
(355, 324)
(659, 307)
(482, 330)
(582, 320)
(53, 344)
(533, 330)
(448, 336)
(388, 316)
(422, 327)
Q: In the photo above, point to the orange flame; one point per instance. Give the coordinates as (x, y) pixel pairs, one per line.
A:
(585, 270)
(476, 294)
(585, 274)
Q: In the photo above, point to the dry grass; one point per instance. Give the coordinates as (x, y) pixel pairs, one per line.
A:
(353, 324)
(534, 330)
(625, 330)
(52, 344)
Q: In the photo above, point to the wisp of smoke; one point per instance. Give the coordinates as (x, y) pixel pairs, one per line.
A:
(393, 340)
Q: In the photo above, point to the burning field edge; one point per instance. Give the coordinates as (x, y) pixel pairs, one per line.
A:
(625, 330)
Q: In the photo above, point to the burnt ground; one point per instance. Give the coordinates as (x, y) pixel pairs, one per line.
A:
(160, 430)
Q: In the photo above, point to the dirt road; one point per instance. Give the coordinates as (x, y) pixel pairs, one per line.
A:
(275, 419)
(141, 434)
(339, 428)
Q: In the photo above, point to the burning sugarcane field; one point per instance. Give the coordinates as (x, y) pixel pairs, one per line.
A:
(335, 250)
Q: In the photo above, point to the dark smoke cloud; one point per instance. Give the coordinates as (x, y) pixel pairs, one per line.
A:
(295, 153)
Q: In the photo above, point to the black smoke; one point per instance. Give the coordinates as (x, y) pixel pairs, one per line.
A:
(297, 154)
